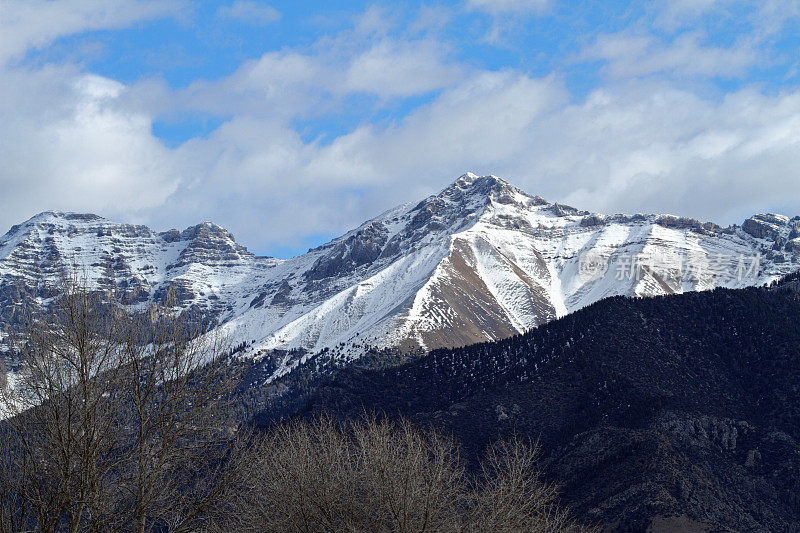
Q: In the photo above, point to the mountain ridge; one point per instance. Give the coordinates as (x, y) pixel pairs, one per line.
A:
(480, 260)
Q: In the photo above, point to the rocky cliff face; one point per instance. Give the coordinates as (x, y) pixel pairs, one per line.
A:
(194, 266)
(481, 260)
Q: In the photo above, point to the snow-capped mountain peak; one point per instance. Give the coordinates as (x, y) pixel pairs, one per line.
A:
(480, 260)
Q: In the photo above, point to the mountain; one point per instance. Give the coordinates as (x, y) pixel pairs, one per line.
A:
(672, 413)
(481, 260)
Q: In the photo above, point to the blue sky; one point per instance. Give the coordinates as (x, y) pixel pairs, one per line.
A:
(291, 122)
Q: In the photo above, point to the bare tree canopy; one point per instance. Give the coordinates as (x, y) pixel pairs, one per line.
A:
(117, 421)
(376, 475)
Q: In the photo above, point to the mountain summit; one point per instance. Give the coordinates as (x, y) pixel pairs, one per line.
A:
(481, 260)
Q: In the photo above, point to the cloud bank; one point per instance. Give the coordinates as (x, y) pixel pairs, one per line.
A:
(653, 133)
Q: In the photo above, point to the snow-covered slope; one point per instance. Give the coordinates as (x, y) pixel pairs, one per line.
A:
(480, 260)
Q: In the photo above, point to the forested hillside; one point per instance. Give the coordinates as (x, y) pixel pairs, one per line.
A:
(647, 409)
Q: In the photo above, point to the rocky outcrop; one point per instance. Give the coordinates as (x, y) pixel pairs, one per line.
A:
(703, 228)
(209, 244)
(361, 248)
(793, 246)
(765, 226)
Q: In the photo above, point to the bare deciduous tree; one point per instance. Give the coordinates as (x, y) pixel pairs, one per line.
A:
(117, 421)
(379, 475)
(63, 425)
(513, 496)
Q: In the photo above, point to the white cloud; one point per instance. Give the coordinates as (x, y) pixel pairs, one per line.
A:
(300, 83)
(642, 148)
(637, 147)
(69, 140)
(675, 14)
(631, 55)
(767, 17)
(508, 6)
(83, 142)
(250, 12)
(644, 142)
(772, 16)
(69, 145)
(507, 16)
(255, 169)
(655, 148)
(31, 24)
(698, 40)
(392, 68)
(276, 84)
